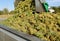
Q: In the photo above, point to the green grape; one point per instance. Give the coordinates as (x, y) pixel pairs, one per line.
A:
(45, 26)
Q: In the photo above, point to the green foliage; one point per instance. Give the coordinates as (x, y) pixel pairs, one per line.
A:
(4, 11)
(1, 12)
(12, 12)
(57, 9)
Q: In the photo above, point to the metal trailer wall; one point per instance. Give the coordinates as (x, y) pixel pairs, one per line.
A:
(8, 34)
(39, 6)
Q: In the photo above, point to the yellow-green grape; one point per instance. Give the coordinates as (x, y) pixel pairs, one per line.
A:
(45, 26)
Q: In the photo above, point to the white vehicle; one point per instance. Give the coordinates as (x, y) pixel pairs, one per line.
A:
(51, 10)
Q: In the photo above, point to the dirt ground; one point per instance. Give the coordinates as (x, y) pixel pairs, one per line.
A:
(5, 16)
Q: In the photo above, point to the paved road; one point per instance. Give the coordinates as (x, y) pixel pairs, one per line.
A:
(1, 19)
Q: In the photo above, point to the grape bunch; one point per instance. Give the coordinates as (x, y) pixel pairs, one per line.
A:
(45, 26)
(25, 6)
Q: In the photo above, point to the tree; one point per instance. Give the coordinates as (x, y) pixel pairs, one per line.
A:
(5, 11)
(57, 9)
(11, 12)
(1, 12)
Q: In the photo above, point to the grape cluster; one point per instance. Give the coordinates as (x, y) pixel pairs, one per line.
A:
(25, 6)
(45, 26)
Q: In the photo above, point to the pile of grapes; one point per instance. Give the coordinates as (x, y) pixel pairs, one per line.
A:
(45, 26)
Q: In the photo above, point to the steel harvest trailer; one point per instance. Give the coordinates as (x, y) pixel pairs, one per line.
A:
(7, 34)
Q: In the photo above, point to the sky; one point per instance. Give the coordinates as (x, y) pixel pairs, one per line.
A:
(53, 2)
(9, 4)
